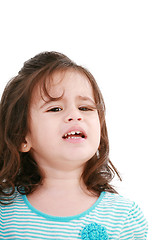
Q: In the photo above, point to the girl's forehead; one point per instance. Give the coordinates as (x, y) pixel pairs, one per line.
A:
(70, 82)
(70, 79)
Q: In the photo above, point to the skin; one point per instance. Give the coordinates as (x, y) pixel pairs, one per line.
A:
(62, 160)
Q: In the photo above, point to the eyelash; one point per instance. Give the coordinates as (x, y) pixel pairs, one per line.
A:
(86, 109)
(58, 109)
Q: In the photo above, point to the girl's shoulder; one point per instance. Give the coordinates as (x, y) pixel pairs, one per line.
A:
(120, 203)
(127, 212)
(9, 198)
(116, 200)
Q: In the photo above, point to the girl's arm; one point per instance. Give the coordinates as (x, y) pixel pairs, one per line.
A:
(135, 225)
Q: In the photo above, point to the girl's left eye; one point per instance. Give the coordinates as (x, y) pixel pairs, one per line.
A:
(85, 109)
(55, 109)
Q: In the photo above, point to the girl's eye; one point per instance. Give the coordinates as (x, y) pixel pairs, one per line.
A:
(55, 109)
(85, 109)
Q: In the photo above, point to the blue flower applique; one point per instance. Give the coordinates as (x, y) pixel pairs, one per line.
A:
(94, 231)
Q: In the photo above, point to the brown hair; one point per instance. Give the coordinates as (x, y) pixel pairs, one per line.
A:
(19, 169)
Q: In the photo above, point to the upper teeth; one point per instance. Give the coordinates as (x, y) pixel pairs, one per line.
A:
(72, 133)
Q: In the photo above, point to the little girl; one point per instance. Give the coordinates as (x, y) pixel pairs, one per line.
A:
(55, 171)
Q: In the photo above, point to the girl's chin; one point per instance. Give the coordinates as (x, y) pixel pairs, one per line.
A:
(77, 158)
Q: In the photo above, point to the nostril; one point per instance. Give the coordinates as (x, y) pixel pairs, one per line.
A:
(71, 119)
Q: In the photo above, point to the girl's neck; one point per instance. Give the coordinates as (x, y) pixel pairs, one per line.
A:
(62, 194)
(62, 186)
(58, 180)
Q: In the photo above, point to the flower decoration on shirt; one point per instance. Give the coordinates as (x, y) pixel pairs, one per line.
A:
(94, 231)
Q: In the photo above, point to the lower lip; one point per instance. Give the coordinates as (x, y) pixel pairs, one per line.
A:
(74, 140)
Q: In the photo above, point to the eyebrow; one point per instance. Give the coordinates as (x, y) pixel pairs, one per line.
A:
(85, 99)
(52, 99)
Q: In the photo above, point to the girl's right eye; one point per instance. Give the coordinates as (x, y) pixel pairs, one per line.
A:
(55, 109)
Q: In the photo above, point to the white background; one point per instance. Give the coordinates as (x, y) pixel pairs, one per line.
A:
(119, 42)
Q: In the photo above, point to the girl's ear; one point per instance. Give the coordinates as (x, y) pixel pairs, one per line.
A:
(25, 146)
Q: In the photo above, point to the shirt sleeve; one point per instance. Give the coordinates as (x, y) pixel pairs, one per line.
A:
(135, 225)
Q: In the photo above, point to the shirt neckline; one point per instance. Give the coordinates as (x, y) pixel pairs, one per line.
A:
(62, 219)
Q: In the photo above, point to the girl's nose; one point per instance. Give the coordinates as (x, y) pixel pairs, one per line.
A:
(74, 116)
(72, 119)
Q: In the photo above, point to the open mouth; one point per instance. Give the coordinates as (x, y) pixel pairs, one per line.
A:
(74, 135)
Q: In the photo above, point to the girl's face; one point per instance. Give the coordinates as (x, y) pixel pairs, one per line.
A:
(65, 133)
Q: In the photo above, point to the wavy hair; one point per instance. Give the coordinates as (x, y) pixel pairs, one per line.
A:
(18, 170)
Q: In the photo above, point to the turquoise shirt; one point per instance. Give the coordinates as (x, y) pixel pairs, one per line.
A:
(111, 217)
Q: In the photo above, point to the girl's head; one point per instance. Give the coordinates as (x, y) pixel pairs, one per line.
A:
(53, 110)
(64, 127)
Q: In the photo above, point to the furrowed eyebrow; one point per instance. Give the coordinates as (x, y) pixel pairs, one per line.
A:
(86, 99)
(51, 99)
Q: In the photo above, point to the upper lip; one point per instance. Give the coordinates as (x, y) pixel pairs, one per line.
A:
(75, 129)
